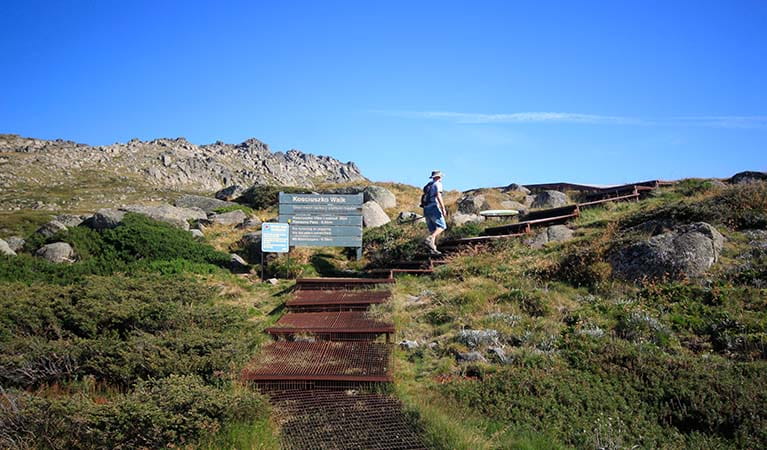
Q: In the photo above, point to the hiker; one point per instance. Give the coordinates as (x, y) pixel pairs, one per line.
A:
(434, 211)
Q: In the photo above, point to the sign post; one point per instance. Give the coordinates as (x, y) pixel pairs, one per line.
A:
(275, 238)
(323, 220)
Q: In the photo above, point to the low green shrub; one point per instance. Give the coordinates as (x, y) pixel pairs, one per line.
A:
(229, 208)
(263, 196)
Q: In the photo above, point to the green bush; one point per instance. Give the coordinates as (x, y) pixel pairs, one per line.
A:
(169, 412)
(230, 208)
(264, 197)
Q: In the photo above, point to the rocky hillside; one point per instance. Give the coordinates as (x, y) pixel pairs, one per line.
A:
(161, 164)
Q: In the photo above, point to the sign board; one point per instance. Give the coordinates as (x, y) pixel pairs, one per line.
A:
(323, 220)
(275, 237)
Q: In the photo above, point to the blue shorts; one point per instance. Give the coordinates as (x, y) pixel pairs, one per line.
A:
(434, 217)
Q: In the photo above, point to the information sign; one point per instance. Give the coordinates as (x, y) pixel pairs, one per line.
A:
(275, 237)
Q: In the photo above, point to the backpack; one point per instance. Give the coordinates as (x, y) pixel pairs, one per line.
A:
(426, 196)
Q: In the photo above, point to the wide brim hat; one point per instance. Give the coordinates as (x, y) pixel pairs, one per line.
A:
(435, 174)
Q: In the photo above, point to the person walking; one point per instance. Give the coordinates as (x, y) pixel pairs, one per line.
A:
(434, 211)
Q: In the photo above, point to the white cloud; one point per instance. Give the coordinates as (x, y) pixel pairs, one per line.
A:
(579, 118)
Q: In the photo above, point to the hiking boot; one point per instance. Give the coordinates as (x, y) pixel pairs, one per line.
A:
(429, 241)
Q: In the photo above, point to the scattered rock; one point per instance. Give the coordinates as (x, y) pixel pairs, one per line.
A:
(250, 223)
(197, 233)
(58, 252)
(499, 354)
(51, 228)
(207, 204)
(106, 218)
(272, 281)
(230, 193)
(237, 264)
(459, 219)
(373, 215)
(230, 218)
(15, 243)
(410, 217)
(6, 249)
(471, 203)
(550, 199)
(514, 187)
(748, 177)
(477, 338)
(473, 356)
(408, 345)
(70, 220)
(685, 251)
(380, 195)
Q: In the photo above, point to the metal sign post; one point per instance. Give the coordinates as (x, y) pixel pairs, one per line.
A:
(275, 238)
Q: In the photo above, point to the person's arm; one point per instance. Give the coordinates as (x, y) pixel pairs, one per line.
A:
(441, 204)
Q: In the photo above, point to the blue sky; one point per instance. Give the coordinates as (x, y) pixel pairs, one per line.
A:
(490, 92)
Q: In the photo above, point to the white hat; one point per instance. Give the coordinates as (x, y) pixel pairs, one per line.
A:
(435, 174)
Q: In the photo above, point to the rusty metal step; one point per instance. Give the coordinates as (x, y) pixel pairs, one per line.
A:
(340, 283)
(332, 325)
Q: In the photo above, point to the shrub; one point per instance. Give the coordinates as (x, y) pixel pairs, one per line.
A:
(230, 208)
(265, 197)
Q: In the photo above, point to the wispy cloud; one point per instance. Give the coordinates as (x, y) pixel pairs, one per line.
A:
(578, 118)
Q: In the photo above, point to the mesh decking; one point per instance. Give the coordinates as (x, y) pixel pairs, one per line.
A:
(321, 361)
(317, 300)
(331, 325)
(340, 283)
(343, 420)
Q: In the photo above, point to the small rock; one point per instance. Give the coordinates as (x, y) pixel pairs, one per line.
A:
(462, 219)
(373, 215)
(554, 233)
(476, 338)
(230, 218)
(237, 264)
(250, 223)
(432, 345)
(408, 345)
(500, 354)
(473, 356)
(550, 199)
(58, 252)
(15, 243)
(380, 195)
(410, 217)
(106, 218)
(69, 220)
(196, 233)
(514, 187)
(230, 193)
(51, 228)
(207, 204)
(5, 249)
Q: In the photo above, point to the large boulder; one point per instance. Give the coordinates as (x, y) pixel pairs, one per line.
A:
(748, 177)
(251, 245)
(15, 243)
(51, 228)
(235, 217)
(554, 233)
(346, 190)
(684, 251)
(177, 216)
(251, 223)
(380, 195)
(58, 252)
(230, 193)
(462, 219)
(6, 249)
(550, 199)
(471, 203)
(106, 218)
(207, 204)
(373, 215)
(511, 204)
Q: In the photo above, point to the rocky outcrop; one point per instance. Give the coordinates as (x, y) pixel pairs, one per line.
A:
(58, 252)
(206, 204)
(380, 195)
(231, 218)
(514, 187)
(549, 199)
(748, 177)
(684, 251)
(230, 193)
(106, 218)
(70, 220)
(51, 228)
(459, 219)
(178, 217)
(15, 243)
(6, 249)
(373, 215)
(170, 163)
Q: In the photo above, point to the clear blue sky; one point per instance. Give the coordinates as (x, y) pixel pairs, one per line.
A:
(490, 92)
